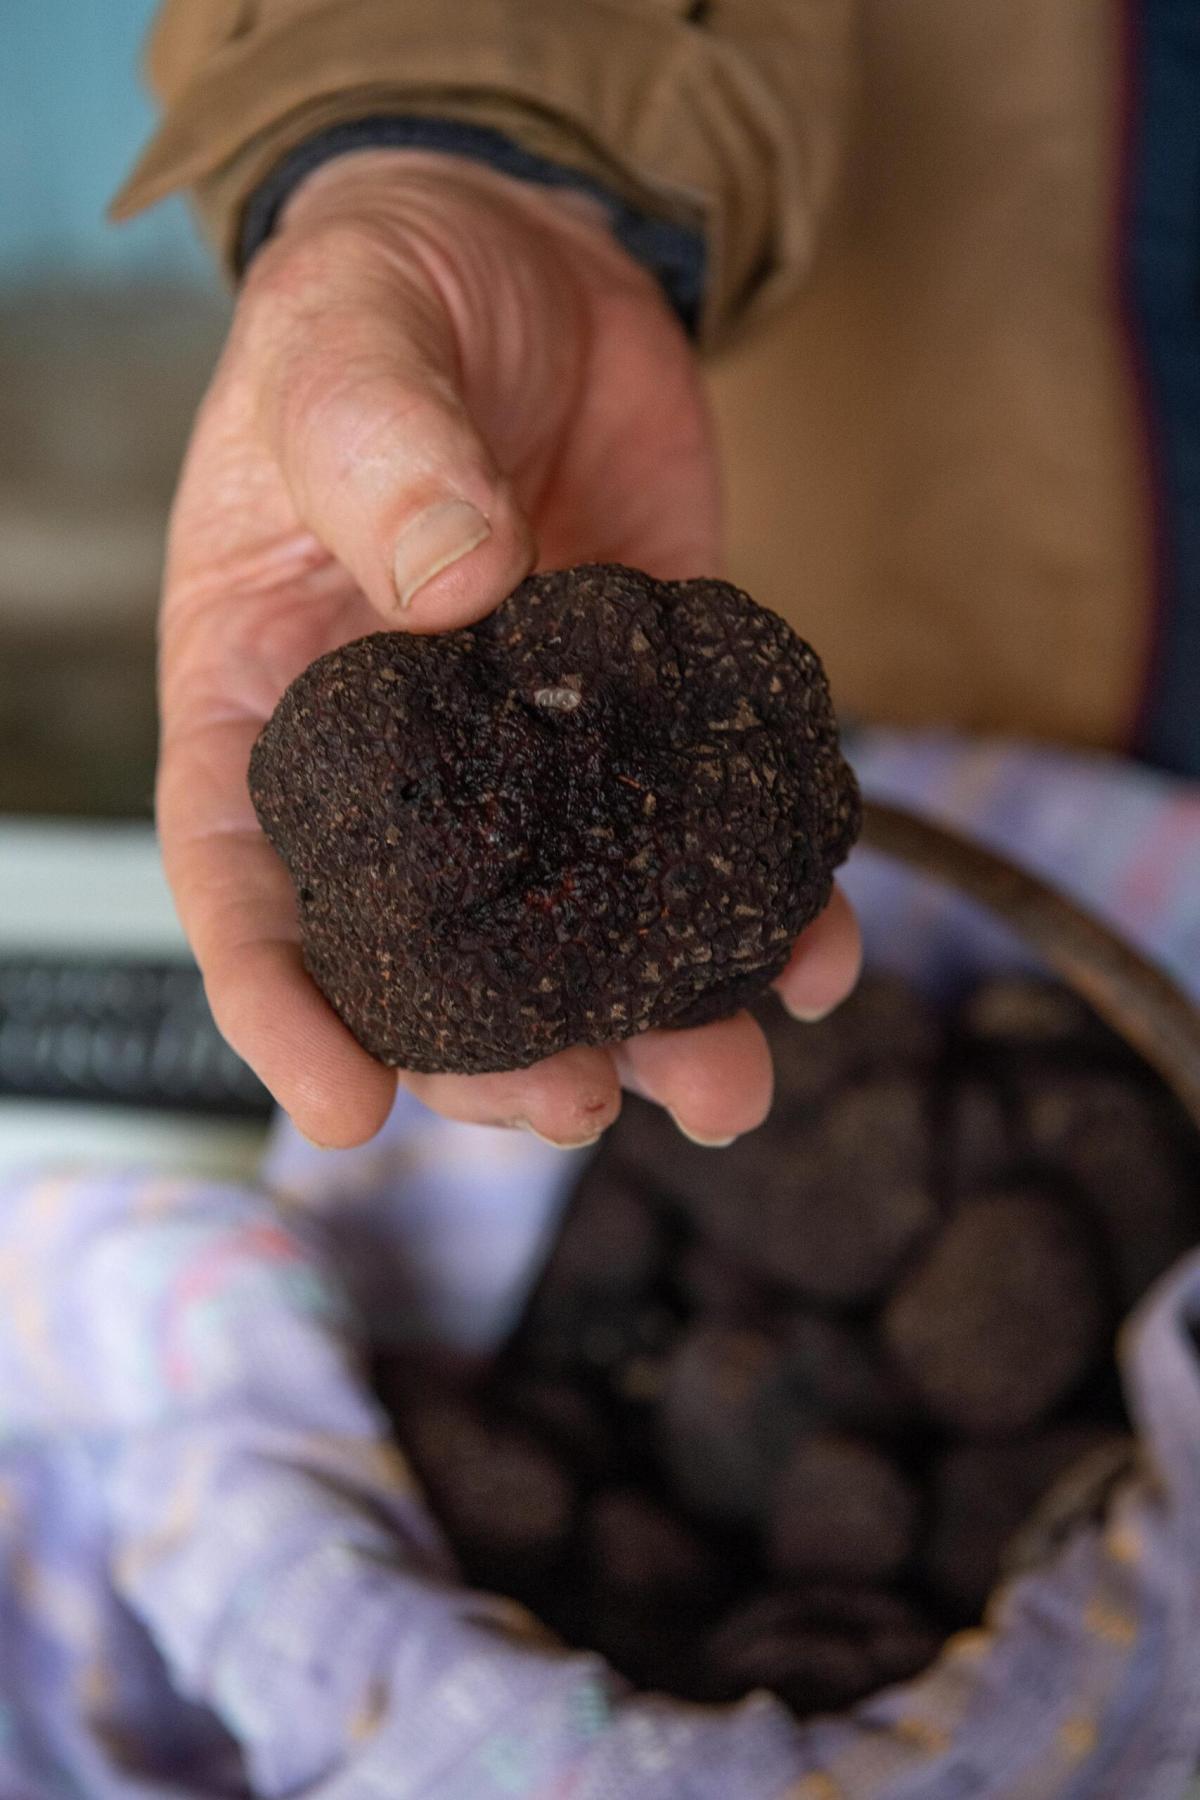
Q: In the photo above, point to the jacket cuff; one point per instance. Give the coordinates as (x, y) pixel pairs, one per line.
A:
(729, 132)
(674, 253)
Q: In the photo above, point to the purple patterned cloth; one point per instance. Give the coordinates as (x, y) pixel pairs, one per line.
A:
(1122, 839)
(218, 1579)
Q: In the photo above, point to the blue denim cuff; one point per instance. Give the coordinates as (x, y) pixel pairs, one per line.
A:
(674, 254)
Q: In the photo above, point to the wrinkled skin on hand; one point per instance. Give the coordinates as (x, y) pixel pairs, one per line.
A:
(427, 359)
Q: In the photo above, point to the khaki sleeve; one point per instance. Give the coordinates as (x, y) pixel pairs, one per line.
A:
(726, 117)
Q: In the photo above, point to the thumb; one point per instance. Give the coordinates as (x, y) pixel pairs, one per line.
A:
(387, 470)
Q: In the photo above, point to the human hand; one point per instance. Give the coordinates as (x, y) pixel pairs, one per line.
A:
(436, 377)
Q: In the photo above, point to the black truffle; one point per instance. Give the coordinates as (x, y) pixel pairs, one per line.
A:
(978, 1143)
(836, 1370)
(1021, 1013)
(818, 1648)
(638, 1549)
(613, 804)
(595, 1307)
(506, 1502)
(609, 1241)
(564, 1415)
(830, 1204)
(1122, 1144)
(836, 1218)
(727, 1421)
(885, 1027)
(781, 1415)
(709, 1281)
(840, 1508)
(1002, 1316)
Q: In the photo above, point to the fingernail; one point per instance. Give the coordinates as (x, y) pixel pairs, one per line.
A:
(557, 1143)
(705, 1143)
(808, 1015)
(434, 540)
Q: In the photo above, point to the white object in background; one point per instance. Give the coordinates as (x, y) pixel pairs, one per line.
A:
(85, 889)
(96, 892)
(38, 1134)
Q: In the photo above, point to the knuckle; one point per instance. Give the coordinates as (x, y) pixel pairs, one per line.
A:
(335, 421)
(341, 353)
(298, 271)
(303, 298)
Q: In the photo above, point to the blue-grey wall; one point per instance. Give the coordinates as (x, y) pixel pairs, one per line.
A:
(72, 117)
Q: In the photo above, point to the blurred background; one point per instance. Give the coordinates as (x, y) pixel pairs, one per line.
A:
(106, 339)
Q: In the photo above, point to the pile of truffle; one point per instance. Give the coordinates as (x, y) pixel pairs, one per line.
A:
(775, 1415)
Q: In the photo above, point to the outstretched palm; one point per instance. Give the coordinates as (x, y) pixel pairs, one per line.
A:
(423, 343)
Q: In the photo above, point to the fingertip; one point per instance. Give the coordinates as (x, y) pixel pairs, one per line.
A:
(267, 1008)
(715, 1080)
(568, 1100)
(341, 1120)
(470, 585)
(825, 963)
(388, 471)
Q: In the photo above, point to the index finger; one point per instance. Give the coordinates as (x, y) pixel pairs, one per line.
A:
(236, 905)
